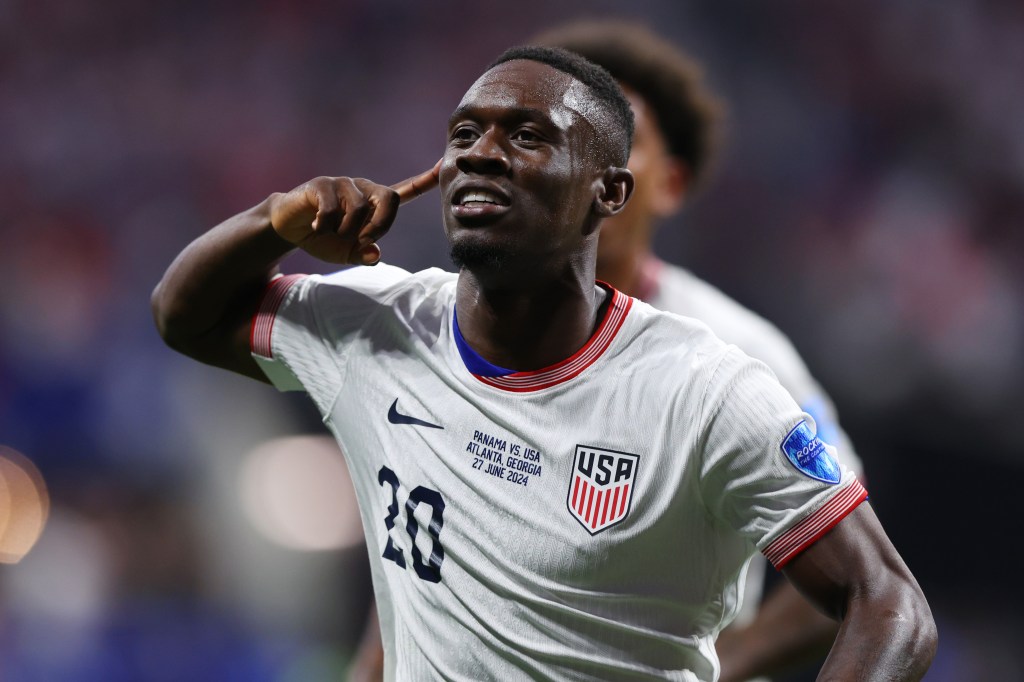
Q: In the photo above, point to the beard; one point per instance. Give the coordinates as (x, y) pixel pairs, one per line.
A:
(474, 255)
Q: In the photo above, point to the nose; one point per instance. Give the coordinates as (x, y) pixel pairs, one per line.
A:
(486, 156)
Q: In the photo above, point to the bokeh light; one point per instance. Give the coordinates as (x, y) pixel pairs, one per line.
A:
(24, 505)
(297, 492)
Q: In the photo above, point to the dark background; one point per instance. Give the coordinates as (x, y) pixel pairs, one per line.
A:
(869, 199)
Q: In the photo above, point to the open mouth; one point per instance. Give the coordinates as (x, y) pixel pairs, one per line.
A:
(478, 197)
(479, 203)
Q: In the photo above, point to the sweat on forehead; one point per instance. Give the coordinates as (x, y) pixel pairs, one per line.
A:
(529, 86)
(512, 80)
(593, 93)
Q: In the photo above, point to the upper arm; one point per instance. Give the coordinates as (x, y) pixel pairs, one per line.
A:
(762, 470)
(225, 344)
(854, 574)
(776, 350)
(232, 347)
(853, 562)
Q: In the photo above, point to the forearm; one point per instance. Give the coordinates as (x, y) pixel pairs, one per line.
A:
(207, 297)
(217, 277)
(787, 632)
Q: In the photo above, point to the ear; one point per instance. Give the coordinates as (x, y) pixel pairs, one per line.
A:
(675, 185)
(613, 190)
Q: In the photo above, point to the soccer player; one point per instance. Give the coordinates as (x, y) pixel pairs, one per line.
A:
(556, 481)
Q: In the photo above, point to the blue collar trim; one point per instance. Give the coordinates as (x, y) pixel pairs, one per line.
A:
(474, 361)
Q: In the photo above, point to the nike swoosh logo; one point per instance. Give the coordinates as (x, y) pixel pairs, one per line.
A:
(396, 417)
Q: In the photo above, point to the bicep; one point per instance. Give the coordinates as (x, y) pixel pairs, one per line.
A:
(854, 559)
(227, 344)
(237, 340)
(855, 574)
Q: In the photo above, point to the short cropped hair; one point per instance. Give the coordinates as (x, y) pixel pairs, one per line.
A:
(668, 80)
(602, 85)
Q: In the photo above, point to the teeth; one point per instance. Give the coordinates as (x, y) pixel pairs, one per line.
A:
(479, 197)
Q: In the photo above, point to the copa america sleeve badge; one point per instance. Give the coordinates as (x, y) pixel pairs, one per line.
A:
(601, 490)
(810, 455)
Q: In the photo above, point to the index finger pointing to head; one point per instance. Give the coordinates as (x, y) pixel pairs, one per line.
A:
(418, 184)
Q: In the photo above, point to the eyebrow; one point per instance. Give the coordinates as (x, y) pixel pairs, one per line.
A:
(473, 111)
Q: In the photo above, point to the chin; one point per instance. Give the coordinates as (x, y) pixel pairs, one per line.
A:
(474, 254)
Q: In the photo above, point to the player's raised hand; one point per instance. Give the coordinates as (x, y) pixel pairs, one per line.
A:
(339, 220)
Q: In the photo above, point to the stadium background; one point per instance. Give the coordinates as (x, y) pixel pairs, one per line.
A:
(869, 199)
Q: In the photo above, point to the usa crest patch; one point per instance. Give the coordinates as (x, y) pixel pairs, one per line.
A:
(810, 455)
(601, 489)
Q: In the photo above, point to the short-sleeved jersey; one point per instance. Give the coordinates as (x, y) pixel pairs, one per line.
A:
(587, 521)
(672, 288)
(676, 290)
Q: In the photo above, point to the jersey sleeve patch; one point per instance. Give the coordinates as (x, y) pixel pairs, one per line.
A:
(807, 532)
(810, 455)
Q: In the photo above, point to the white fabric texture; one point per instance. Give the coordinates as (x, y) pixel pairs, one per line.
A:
(481, 570)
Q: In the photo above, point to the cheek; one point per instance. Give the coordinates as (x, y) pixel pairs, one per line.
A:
(552, 180)
(448, 170)
(558, 188)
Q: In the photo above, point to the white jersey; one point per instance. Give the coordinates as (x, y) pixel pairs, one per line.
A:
(587, 521)
(671, 288)
(676, 290)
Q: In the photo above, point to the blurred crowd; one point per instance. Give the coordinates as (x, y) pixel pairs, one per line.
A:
(868, 197)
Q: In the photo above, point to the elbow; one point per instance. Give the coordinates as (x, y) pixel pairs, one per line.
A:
(162, 317)
(927, 634)
(916, 629)
(893, 623)
(168, 320)
(159, 310)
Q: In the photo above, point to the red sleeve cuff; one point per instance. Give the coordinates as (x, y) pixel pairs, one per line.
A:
(263, 320)
(807, 532)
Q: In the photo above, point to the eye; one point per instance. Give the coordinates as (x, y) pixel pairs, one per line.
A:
(527, 135)
(463, 134)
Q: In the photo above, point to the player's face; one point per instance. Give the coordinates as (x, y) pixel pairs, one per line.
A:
(654, 196)
(519, 170)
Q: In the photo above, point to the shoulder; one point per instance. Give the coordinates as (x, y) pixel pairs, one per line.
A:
(682, 292)
(377, 286)
(682, 362)
(671, 344)
(681, 331)
(384, 281)
(346, 300)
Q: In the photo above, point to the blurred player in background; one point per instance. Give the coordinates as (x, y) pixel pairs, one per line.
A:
(676, 121)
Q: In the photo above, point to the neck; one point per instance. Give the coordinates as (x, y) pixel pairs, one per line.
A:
(532, 325)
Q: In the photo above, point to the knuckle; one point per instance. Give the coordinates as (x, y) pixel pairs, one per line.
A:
(319, 191)
(319, 184)
(359, 205)
(344, 186)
